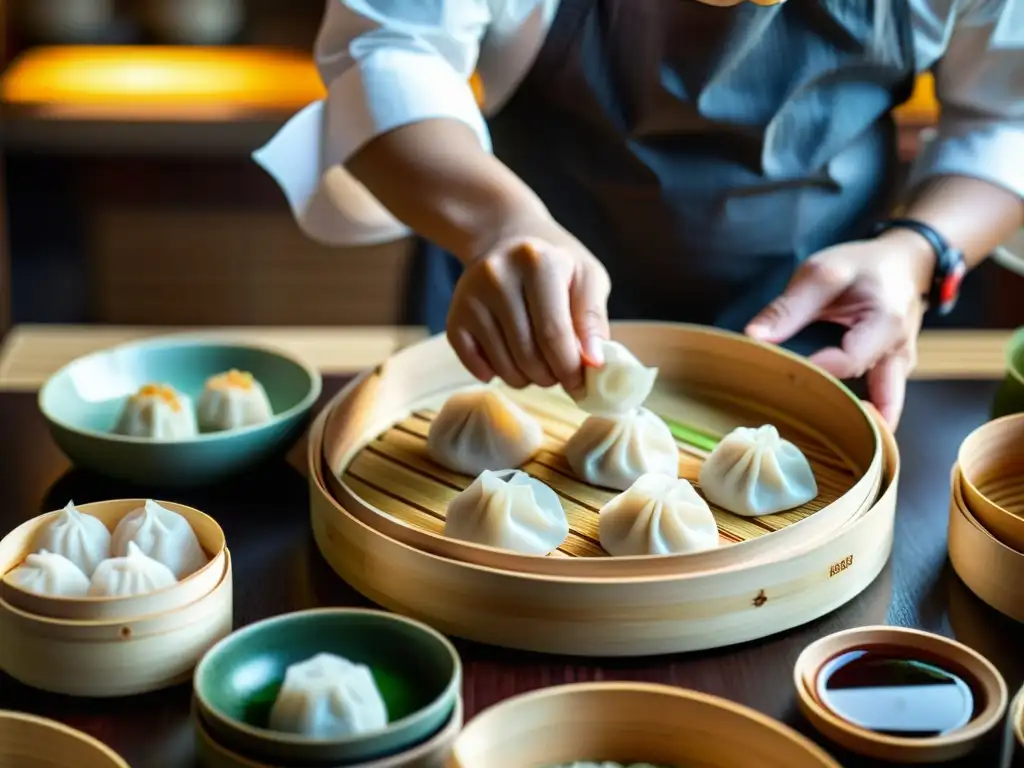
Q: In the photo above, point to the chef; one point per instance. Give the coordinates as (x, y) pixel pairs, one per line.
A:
(725, 162)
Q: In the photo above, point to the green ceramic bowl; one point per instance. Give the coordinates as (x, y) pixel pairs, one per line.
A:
(83, 400)
(1010, 395)
(416, 669)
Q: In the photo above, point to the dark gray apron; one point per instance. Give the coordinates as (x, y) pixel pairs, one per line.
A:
(702, 152)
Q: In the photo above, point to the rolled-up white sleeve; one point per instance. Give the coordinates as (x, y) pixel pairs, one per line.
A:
(979, 82)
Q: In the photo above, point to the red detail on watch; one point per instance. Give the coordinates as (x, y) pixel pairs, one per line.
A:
(949, 289)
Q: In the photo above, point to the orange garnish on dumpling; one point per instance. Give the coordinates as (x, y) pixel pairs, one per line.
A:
(160, 392)
(233, 379)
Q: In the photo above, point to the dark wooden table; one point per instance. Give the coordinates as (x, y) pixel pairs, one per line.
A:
(278, 569)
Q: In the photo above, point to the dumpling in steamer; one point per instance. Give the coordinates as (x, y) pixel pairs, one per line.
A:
(753, 472)
(133, 574)
(158, 411)
(508, 510)
(328, 697)
(658, 515)
(82, 539)
(613, 451)
(163, 535)
(233, 400)
(47, 573)
(481, 428)
(621, 385)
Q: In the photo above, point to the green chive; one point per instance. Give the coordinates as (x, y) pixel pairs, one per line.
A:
(691, 436)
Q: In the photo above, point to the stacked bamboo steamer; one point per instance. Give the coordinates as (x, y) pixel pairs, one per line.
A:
(376, 533)
(114, 646)
(986, 514)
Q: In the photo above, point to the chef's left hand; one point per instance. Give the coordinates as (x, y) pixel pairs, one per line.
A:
(874, 288)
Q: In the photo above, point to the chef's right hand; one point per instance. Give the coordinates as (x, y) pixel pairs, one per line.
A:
(531, 309)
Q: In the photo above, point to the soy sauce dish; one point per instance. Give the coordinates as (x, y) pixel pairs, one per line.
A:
(327, 686)
(898, 694)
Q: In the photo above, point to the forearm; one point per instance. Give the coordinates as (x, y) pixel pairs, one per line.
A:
(435, 177)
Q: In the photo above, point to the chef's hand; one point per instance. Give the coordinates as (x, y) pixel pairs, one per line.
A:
(531, 309)
(874, 288)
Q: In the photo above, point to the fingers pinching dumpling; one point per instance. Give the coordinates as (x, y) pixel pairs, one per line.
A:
(613, 451)
(621, 385)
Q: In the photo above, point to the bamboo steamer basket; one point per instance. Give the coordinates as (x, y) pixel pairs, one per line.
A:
(114, 658)
(1013, 749)
(991, 462)
(626, 616)
(27, 741)
(629, 723)
(432, 753)
(18, 544)
(380, 473)
(958, 657)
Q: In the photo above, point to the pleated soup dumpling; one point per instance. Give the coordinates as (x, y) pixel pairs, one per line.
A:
(481, 428)
(133, 574)
(328, 697)
(753, 471)
(82, 539)
(619, 386)
(613, 451)
(658, 515)
(163, 535)
(160, 412)
(232, 400)
(508, 510)
(47, 573)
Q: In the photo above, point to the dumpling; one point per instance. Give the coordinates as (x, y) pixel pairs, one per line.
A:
(508, 510)
(133, 574)
(328, 697)
(613, 451)
(232, 400)
(47, 573)
(163, 535)
(621, 385)
(481, 428)
(753, 472)
(658, 515)
(160, 412)
(82, 539)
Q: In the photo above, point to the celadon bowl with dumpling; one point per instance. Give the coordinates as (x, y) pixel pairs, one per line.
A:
(327, 686)
(178, 411)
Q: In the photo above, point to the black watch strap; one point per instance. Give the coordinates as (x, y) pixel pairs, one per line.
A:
(950, 267)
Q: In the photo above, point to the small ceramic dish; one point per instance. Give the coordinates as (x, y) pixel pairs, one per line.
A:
(629, 723)
(19, 543)
(27, 741)
(83, 401)
(1009, 397)
(416, 669)
(988, 689)
(991, 463)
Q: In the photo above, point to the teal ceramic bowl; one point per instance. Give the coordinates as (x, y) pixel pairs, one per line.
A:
(416, 669)
(83, 401)
(1010, 395)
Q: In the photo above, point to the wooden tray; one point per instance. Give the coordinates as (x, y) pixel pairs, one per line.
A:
(625, 616)
(710, 380)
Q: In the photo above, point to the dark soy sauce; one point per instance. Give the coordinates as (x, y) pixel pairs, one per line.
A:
(892, 693)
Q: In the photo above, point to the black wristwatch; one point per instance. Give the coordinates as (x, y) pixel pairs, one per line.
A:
(950, 266)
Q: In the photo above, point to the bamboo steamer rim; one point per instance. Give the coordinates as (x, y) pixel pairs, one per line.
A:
(86, 740)
(1017, 718)
(31, 527)
(500, 710)
(976, 466)
(957, 499)
(868, 483)
(304, 741)
(961, 657)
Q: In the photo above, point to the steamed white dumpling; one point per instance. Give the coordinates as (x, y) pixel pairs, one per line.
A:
(328, 697)
(160, 412)
(619, 386)
(133, 574)
(753, 471)
(82, 539)
(163, 535)
(658, 515)
(47, 573)
(482, 428)
(233, 400)
(508, 510)
(613, 451)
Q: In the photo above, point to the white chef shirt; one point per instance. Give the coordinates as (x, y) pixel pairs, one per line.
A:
(389, 63)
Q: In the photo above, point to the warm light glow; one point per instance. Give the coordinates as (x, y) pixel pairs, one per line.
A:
(922, 106)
